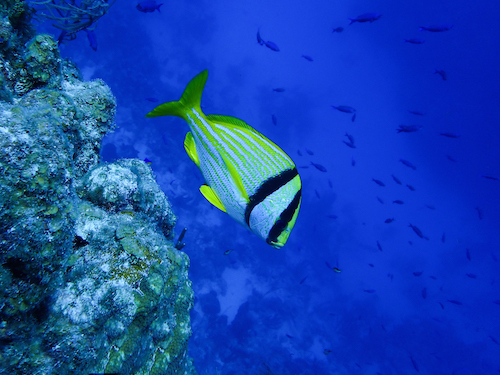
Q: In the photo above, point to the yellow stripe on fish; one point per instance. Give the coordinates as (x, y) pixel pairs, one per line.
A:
(246, 174)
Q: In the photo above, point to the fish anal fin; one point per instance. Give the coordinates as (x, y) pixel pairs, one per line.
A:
(212, 197)
(190, 147)
(235, 177)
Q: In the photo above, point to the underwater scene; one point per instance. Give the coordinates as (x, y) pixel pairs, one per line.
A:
(235, 187)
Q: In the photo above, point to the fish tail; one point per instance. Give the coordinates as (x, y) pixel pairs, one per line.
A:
(191, 98)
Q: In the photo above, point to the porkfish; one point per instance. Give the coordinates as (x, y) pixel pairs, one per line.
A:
(247, 176)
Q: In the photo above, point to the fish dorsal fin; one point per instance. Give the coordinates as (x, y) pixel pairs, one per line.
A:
(235, 177)
(212, 197)
(230, 120)
(191, 148)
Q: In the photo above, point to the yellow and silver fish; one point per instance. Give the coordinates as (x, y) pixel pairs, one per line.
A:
(246, 174)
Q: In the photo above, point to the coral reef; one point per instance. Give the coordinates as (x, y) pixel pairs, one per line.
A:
(90, 280)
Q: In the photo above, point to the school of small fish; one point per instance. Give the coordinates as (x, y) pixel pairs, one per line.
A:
(406, 130)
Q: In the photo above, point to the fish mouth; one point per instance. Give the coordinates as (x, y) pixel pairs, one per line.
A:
(277, 245)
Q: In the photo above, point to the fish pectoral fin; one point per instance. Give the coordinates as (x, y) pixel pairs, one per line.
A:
(212, 197)
(191, 148)
(235, 176)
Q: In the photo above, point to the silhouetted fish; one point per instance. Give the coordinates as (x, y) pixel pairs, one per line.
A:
(366, 17)
(319, 167)
(442, 73)
(415, 41)
(436, 28)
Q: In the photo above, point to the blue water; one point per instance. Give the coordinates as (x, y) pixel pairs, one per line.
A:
(259, 310)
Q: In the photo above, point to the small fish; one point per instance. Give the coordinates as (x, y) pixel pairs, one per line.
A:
(479, 213)
(430, 207)
(442, 73)
(418, 273)
(380, 200)
(416, 230)
(410, 187)
(317, 194)
(302, 281)
(330, 184)
(455, 302)
(471, 275)
(424, 293)
(92, 39)
(450, 135)
(490, 177)
(326, 351)
(408, 128)
(497, 301)
(350, 137)
(391, 276)
(415, 366)
(467, 254)
(433, 277)
(366, 17)
(148, 6)
(290, 337)
(378, 182)
(344, 108)
(408, 164)
(415, 41)
(299, 153)
(259, 39)
(260, 191)
(179, 244)
(154, 100)
(371, 265)
(353, 162)
(309, 152)
(494, 340)
(338, 30)
(436, 28)
(272, 46)
(443, 238)
(442, 306)
(418, 113)
(350, 144)
(279, 89)
(336, 270)
(227, 252)
(398, 201)
(332, 216)
(451, 158)
(319, 167)
(308, 58)
(396, 179)
(390, 220)
(369, 290)
(274, 119)
(147, 161)
(379, 246)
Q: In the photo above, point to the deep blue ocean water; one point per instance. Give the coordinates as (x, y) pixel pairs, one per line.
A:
(401, 304)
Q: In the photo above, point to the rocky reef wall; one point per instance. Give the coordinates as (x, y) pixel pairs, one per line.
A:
(90, 281)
